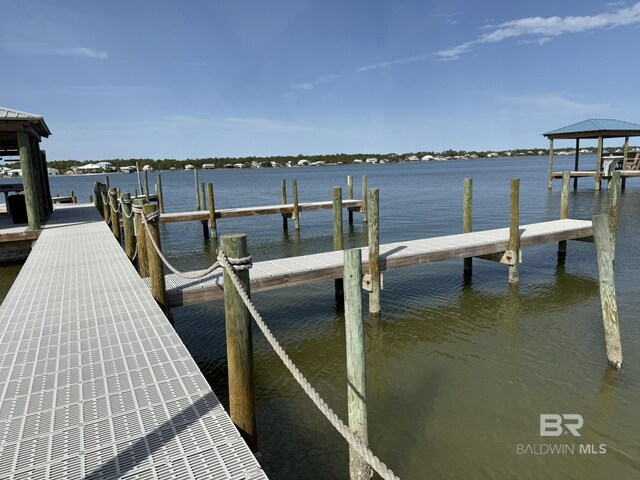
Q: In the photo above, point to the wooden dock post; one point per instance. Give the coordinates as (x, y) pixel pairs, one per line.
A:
(514, 231)
(159, 194)
(115, 218)
(127, 226)
(604, 250)
(614, 201)
(550, 184)
(203, 207)
(141, 240)
(28, 181)
(74, 199)
(350, 196)
(356, 373)
(363, 209)
(467, 221)
(625, 160)
(374, 250)
(106, 182)
(338, 239)
(599, 164)
(296, 208)
(139, 181)
(213, 223)
(195, 176)
(146, 185)
(564, 213)
(106, 208)
(285, 223)
(154, 262)
(239, 345)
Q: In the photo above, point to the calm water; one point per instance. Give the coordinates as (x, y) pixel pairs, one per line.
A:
(457, 374)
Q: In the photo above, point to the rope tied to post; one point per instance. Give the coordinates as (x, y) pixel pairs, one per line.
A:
(354, 441)
(126, 202)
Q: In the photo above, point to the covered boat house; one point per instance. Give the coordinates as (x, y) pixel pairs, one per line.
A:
(20, 135)
(598, 129)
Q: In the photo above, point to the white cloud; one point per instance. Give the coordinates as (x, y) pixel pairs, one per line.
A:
(297, 87)
(40, 49)
(542, 29)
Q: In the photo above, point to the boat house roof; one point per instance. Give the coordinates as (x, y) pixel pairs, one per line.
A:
(594, 128)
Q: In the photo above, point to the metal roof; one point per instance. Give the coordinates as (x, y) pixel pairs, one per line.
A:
(36, 121)
(595, 127)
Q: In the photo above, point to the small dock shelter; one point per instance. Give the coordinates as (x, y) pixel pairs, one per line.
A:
(20, 135)
(598, 129)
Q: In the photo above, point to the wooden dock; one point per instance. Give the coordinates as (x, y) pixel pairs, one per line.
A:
(287, 272)
(283, 209)
(592, 174)
(94, 381)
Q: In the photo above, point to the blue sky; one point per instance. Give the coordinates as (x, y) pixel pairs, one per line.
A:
(199, 78)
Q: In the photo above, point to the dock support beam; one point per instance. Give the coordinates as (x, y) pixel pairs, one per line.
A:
(625, 159)
(115, 219)
(338, 240)
(599, 164)
(467, 222)
(363, 209)
(141, 239)
(614, 201)
(127, 226)
(576, 163)
(239, 345)
(514, 231)
(28, 181)
(356, 374)
(374, 251)
(603, 241)
(154, 262)
(195, 176)
(564, 213)
(350, 196)
(203, 207)
(296, 207)
(550, 185)
(159, 194)
(213, 223)
(283, 188)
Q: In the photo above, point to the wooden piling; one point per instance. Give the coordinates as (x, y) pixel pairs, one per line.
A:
(203, 207)
(146, 185)
(106, 182)
(127, 226)
(141, 240)
(115, 218)
(106, 208)
(159, 194)
(239, 345)
(73, 197)
(550, 179)
(213, 223)
(374, 250)
(599, 164)
(467, 220)
(356, 373)
(154, 262)
(363, 209)
(195, 176)
(614, 201)
(296, 208)
(139, 181)
(604, 250)
(514, 233)
(285, 223)
(625, 160)
(564, 212)
(338, 239)
(350, 196)
(28, 181)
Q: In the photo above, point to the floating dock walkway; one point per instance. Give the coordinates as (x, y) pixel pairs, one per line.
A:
(94, 381)
(287, 272)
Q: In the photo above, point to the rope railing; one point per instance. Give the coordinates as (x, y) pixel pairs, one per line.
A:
(231, 265)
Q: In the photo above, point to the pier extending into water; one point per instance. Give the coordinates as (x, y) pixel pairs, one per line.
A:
(94, 381)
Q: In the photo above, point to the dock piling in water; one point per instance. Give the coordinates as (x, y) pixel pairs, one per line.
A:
(564, 213)
(467, 221)
(514, 231)
(350, 196)
(239, 345)
(154, 262)
(614, 202)
(604, 250)
(338, 238)
(296, 208)
(203, 207)
(356, 373)
(141, 239)
(115, 218)
(213, 223)
(283, 188)
(159, 195)
(363, 209)
(127, 226)
(146, 185)
(374, 251)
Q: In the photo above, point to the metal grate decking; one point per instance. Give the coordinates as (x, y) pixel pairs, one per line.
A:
(94, 381)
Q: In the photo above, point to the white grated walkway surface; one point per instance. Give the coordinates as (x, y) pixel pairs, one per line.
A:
(94, 381)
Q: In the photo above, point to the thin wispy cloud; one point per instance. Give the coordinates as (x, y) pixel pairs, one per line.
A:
(46, 50)
(541, 104)
(541, 29)
(298, 87)
(413, 58)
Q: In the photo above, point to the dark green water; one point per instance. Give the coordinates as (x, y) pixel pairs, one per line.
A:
(458, 375)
